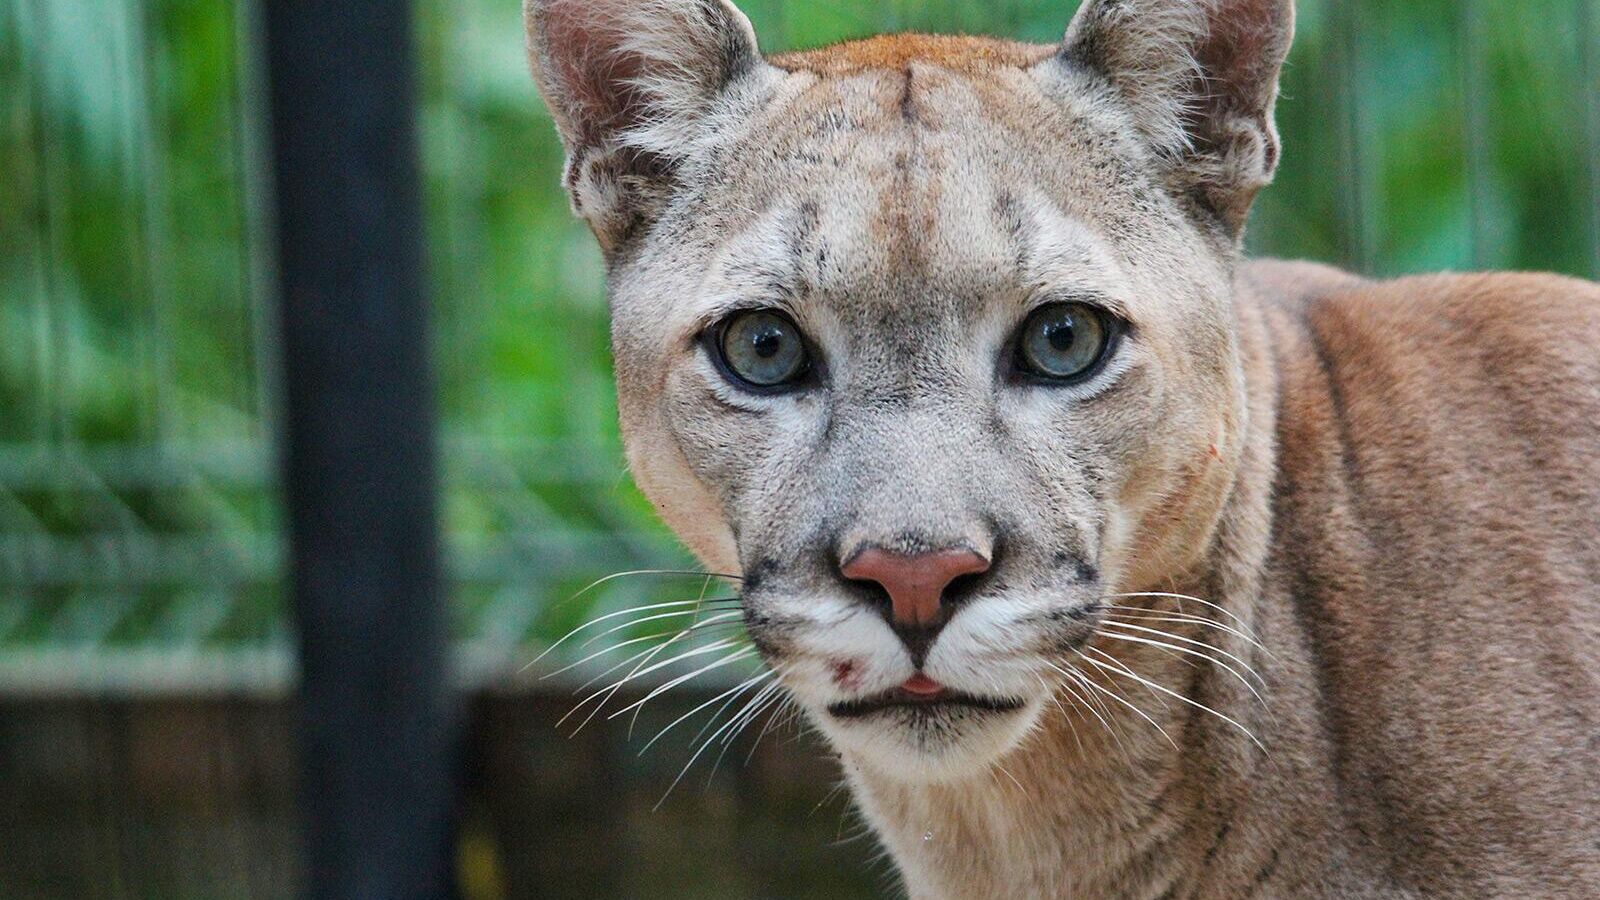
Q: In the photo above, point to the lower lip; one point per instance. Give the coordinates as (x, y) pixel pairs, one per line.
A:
(921, 685)
(906, 699)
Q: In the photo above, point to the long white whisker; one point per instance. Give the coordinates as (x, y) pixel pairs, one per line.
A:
(1203, 602)
(735, 656)
(621, 612)
(1123, 666)
(631, 623)
(1147, 615)
(1090, 683)
(704, 744)
(731, 693)
(749, 714)
(636, 572)
(1134, 639)
(772, 722)
(696, 628)
(1055, 697)
(646, 652)
(1179, 697)
(1013, 778)
(745, 719)
(1193, 643)
(611, 690)
(1077, 677)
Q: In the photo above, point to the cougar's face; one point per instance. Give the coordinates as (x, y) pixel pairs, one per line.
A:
(927, 359)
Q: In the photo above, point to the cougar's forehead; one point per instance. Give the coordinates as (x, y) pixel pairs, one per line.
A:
(875, 182)
(917, 169)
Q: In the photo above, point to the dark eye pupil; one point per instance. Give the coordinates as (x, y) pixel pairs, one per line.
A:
(767, 342)
(1061, 335)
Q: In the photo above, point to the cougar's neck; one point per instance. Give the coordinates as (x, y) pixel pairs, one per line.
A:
(1124, 788)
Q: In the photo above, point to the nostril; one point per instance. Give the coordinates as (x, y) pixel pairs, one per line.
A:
(917, 585)
(964, 588)
(874, 593)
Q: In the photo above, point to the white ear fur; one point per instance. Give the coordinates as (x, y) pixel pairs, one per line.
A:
(1200, 78)
(632, 85)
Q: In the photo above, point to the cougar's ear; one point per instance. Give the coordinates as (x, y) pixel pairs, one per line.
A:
(1200, 78)
(632, 85)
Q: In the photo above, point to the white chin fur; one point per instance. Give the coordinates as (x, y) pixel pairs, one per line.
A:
(959, 747)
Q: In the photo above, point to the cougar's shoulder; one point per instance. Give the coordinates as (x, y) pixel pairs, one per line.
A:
(1437, 511)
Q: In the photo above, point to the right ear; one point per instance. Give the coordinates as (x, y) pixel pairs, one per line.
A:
(631, 85)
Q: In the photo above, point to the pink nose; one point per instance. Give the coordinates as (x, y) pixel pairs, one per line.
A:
(915, 583)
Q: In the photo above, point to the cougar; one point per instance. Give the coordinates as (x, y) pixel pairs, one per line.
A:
(1112, 564)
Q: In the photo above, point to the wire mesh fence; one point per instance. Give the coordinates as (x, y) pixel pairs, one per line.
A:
(138, 504)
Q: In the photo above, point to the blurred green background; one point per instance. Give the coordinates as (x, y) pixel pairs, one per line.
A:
(141, 552)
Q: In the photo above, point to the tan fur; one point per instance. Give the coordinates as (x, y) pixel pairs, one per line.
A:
(1428, 588)
(1384, 496)
(897, 51)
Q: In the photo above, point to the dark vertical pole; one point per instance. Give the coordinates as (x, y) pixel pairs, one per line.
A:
(377, 715)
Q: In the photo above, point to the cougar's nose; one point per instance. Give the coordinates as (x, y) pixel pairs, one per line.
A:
(916, 584)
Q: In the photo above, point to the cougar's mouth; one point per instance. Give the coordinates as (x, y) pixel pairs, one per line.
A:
(899, 698)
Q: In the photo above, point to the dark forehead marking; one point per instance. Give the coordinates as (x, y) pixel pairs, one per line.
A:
(908, 100)
(1008, 210)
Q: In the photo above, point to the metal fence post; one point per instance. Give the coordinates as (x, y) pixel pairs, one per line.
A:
(377, 728)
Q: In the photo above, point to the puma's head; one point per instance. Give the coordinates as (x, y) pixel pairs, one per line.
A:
(930, 339)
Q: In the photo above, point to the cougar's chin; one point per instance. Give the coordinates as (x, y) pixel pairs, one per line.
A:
(916, 738)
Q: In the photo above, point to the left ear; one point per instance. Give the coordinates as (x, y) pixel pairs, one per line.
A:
(1200, 78)
(631, 85)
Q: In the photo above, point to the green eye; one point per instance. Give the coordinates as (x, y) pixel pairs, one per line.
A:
(763, 348)
(1064, 341)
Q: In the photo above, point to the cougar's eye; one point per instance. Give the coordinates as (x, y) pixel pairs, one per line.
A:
(762, 348)
(1064, 341)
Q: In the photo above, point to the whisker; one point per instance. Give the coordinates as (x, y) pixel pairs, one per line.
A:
(1089, 682)
(731, 693)
(1077, 677)
(706, 743)
(1121, 665)
(772, 722)
(713, 720)
(1124, 700)
(1055, 697)
(1013, 778)
(1207, 603)
(735, 656)
(1171, 649)
(631, 623)
(744, 719)
(1145, 615)
(1179, 697)
(608, 616)
(696, 628)
(1193, 643)
(648, 651)
(834, 792)
(1164, 650)
(638, 670)
(683, 573)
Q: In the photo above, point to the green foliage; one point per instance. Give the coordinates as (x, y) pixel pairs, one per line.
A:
(136, 349)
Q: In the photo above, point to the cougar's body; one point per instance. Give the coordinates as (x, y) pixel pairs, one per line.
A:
(1112, 565)
(1431, 729)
